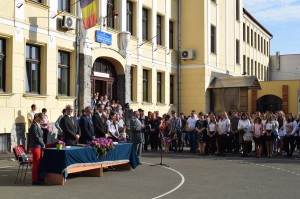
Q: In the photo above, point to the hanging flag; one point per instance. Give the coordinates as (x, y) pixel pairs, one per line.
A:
(88, 9)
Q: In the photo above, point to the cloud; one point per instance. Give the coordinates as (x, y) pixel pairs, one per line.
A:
(273, 11)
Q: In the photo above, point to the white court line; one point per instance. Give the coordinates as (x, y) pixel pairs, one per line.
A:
(177, 187)
(6, 167)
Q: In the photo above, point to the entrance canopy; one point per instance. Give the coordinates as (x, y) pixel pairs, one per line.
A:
(251, 82)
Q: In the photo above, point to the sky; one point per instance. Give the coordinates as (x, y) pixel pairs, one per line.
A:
(282, 19)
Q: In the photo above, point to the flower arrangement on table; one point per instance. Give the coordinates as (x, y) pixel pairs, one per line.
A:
(60, 144)
(102, 146)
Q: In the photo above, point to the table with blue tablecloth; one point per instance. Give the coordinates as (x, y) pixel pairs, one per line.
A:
(57, 164)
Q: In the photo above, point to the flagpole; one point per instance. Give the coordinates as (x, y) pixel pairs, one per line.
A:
(77, 105)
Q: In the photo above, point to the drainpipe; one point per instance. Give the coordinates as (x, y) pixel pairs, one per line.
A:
(77, 101)
(179, 58)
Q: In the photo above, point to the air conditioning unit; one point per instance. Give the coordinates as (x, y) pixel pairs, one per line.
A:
(68, 23)
(187, 54)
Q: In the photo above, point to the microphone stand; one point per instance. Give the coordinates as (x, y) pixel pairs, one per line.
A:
(161, 153)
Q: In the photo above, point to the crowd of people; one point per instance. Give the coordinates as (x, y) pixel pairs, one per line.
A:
(272, 134)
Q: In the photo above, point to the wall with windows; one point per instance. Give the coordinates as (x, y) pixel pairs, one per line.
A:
(256, 48)
(30, 42)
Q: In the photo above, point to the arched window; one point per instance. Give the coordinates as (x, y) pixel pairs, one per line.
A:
(269, 103)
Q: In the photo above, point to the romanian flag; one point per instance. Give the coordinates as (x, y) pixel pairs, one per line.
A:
(88, 8)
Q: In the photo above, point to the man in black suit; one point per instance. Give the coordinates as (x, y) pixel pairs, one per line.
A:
(99, 121)
(86, 126)
(69, 127)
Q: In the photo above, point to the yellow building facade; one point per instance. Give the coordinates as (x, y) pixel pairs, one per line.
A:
(47, 58)
(217, 43)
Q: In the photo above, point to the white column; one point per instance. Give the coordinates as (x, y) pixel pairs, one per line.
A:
(208, 31)
(218, 34)
(167, 27)
(122, 15)
(139, 24)
(226, 37)
(154, 24)
(103, 13)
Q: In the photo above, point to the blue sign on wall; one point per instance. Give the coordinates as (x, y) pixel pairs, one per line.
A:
(103, 37)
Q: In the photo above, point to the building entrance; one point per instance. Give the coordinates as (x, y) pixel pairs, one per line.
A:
(104, 78)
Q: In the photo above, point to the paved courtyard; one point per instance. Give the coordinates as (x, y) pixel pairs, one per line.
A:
(189, 176)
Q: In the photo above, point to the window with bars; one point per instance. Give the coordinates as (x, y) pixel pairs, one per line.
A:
(2, 64)
(110, 14)
(212, 39)
(145, 85)
(171, 89)
(63, 75)
(32, 69)
(159, 86)
(64, 5)
(159, 30)
(129, 19)
(171, 35)
(145, 24)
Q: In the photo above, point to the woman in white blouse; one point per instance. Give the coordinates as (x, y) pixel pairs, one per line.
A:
(223, 126)
(281, 131)
(113, 127)
(244, 127)
(269, 135)
(212, 133)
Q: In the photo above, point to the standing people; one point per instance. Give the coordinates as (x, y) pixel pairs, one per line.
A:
(165, 129)
(57, 125)
(192, 133)
(291, 129)
(99, 121)
(281, 131)
(212, 134)
(44, 125)
(69, 127)
(244, 128)
(86, 126)
(136, 134)
(36, 145)
(175, 123)
(201, 128)
(30, 117)
(223, 126)
(258, 136)
(182, 132)
(154, 132)
(234, 121)
(145, 131)
(113, 129)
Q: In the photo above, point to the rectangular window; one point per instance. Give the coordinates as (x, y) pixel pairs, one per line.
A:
(258, 69)
(267, 48)
(237, 49)
(251, 37)
(2, 65)
(262, 72)
(159, 30)
(252, 69)
(248, 66)
(244, 65)
(244, 32)
(110, 19)
(63, 75)
(255, 40)
(64, 5)
(32, 69)
(159, 86)
(171, 35)
(145, 85)
(248, 34)
(212, 39)
(258, 40)
(237, 10)
(255, 67)
(129, 19)
(145, 24)
(171, 89)
(262, 45)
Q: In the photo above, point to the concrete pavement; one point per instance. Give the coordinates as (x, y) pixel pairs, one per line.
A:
(190, 176)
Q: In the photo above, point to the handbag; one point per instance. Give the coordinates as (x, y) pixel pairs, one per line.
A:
(247, 137)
